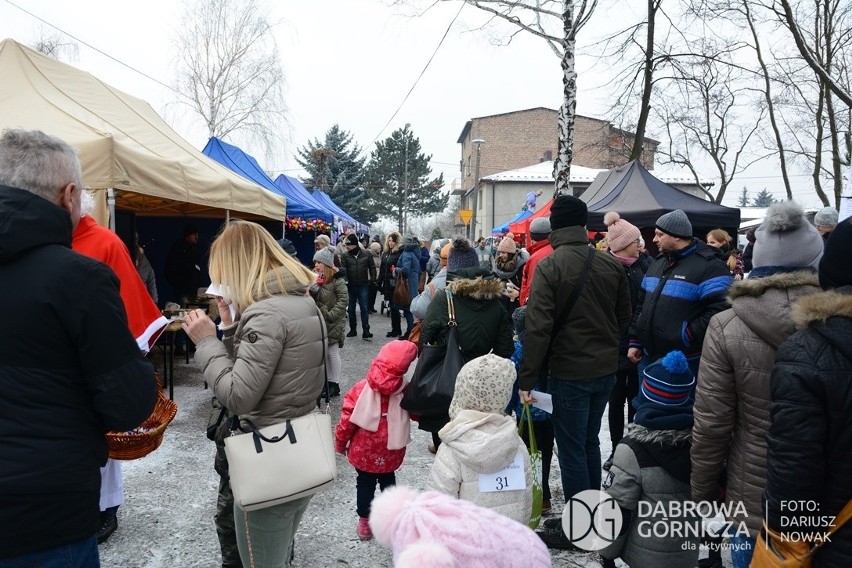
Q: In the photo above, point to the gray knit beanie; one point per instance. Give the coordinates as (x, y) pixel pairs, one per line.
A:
(676, 224)
(786, 238)
(326, 256)
(540, 228)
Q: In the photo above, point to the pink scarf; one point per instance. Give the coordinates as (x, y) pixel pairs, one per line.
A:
(368, 412)
(624, 260)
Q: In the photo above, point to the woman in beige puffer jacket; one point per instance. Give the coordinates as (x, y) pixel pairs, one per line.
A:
(480, 440)
(733, 401)
(269, 365)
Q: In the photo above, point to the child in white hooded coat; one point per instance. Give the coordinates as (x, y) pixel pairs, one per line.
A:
(481, 439)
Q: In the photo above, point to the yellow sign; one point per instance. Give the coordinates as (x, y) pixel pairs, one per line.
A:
(465, 215)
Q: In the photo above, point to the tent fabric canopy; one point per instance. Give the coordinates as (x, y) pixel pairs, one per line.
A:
(323, 197)
(522, 227)
(122, 142)
(292, 186)
(640, 198)
(504, 228)
(245, 165)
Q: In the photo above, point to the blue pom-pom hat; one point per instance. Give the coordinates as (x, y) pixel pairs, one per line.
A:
(666, 394)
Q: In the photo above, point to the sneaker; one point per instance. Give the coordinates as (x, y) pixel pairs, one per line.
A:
(352, 333)
(108, 526)
(363, 529)
(555, 539)
(608, 463)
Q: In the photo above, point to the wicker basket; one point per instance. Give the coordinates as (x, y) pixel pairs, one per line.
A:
(134, 445)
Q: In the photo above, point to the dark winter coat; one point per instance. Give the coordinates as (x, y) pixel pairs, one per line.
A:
(482, 324)
(387, 280)
(332, 298)
(481, 319)
(810, 435)
(732, 399)
(515, 276)
(408, 267)
(359, 267)
(681, 291)
(635, 273)
(585, 346)
(651, 466)
(70, 370)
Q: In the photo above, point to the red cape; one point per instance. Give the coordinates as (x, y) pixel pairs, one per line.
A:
(143, 316)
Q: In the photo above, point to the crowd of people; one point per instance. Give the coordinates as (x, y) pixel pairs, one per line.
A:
(734, 370)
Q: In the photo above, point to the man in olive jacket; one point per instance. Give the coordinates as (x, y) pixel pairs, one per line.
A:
(582, 345)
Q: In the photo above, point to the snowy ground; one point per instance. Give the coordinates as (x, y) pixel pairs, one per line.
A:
(170, 495)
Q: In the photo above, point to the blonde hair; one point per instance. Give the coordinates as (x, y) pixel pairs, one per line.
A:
(243, 255)
(720, 236)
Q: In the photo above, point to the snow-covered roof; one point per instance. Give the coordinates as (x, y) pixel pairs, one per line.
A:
(543, 173)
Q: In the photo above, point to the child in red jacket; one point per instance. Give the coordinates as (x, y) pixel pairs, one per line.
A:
(373, 429)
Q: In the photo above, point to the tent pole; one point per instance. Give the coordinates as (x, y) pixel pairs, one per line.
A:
(227, 217)
(111, 207)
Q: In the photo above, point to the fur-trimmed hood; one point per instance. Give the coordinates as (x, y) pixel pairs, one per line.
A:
(479, 288)
(819, 307)
(661, 437)
(764, 304)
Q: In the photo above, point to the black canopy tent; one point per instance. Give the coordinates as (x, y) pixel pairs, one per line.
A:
(640, 198)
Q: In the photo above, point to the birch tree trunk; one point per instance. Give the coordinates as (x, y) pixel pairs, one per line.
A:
(568, 110)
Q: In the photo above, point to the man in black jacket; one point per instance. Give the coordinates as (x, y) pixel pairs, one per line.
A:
(681, 291)
(70, 369)
(360, 271)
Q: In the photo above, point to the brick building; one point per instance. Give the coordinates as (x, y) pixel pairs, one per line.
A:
(523, 138)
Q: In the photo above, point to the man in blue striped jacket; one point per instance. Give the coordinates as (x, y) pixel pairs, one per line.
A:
(684, 287)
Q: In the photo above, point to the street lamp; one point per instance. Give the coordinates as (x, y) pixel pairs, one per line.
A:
(478, 142)
(405, 183)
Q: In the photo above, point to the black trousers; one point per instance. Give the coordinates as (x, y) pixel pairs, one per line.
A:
(625, 390)
(365, 484)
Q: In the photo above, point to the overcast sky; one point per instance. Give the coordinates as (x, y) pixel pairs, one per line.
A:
(349, 62)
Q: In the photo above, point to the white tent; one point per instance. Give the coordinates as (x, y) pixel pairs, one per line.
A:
(123, 143)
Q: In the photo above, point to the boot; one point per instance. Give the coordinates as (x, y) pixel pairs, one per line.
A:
(353, 332)
(367, 334)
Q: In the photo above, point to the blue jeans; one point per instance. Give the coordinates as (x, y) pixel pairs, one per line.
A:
(265, 536)
(359, 295)
(578, 408)
(80, 554)
(742, 549)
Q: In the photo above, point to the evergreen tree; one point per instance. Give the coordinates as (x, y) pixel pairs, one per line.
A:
(334, 166)
(763, 199)
(744, 199)
(398, 179)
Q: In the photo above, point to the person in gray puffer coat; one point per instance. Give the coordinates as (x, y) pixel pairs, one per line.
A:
(651, 469)
(732, 400)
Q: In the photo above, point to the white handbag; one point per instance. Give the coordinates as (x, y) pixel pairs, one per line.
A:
(282, 462)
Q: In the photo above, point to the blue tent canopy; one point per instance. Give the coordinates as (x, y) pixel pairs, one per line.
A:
(504, 228)
(323, 197)
(293, 186)
(238, 161)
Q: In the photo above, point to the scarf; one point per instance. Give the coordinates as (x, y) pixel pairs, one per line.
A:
(368, 413)
(624, 260)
